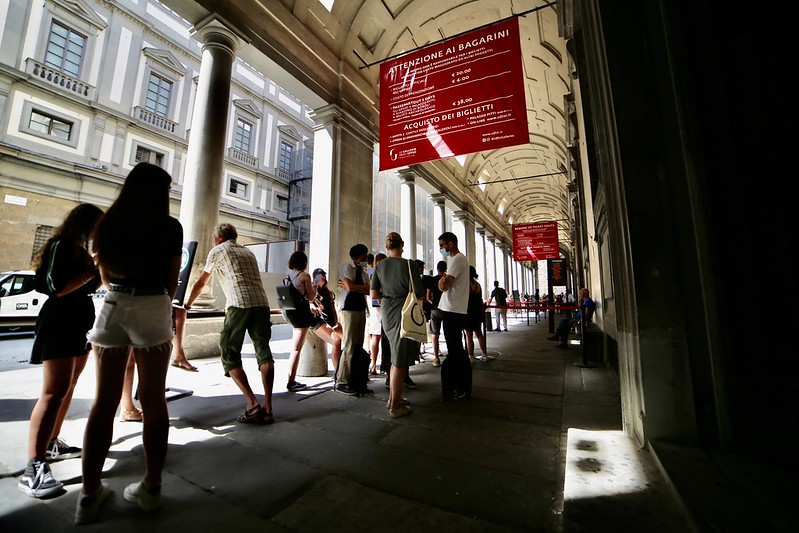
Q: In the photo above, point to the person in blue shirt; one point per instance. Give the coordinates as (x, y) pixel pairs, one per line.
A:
(587, 309)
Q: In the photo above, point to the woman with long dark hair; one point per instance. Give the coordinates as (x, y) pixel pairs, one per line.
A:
(475, 317)
(138, 248)
(301, 318)
(65, 272)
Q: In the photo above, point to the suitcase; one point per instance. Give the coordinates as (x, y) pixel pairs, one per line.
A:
(456, 378)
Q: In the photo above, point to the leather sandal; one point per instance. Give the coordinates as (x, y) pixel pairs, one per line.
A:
(131, 416)
(254, 415)
(184, 364)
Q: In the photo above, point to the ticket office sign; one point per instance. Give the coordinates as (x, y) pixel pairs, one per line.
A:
(535, 241)
(459, 96)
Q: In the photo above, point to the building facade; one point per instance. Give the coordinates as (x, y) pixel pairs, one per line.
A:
(88, 89)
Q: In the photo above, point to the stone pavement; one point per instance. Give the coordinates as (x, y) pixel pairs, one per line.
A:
(539, 447)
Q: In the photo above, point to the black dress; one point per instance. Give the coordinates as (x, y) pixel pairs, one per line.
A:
(475, 312)
(63, 321)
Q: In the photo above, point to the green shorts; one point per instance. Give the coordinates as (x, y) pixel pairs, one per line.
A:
(238, 321)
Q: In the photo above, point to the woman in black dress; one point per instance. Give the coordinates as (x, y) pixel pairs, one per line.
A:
(475, 317)
(66, 273)
(301, 318)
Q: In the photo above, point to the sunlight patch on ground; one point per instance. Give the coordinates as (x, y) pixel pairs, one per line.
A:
(602, 463)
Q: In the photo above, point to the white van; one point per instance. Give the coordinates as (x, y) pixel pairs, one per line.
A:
(19, 301)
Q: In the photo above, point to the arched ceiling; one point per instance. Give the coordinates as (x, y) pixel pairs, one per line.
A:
(316, 50)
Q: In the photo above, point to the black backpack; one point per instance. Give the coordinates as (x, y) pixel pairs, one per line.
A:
(359, 370)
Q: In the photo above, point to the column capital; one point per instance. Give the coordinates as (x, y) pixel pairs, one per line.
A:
(326, 115)
(407, 176)
(439, 199)
(333, 115)
(214, 31)
(491, 239)
(464, 216)
(481, 232)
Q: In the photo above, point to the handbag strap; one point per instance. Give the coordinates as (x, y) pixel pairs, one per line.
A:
(410, 278)
(291, 282)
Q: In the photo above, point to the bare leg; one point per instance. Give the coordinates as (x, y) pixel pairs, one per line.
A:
(374, 348)
(127, 387)
(397, 377)
(482, 340)
(152, 364)
(298, 339)
(331, 337)
(268, 379)
(52, 402)
(240, 379)
(111, 364)
(436, 351)
(469, 344)
(179, 358)
(79, 363)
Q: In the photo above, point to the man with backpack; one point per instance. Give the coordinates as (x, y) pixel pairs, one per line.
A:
(354, 284)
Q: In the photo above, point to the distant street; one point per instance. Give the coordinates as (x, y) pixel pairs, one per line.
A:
(15, 350)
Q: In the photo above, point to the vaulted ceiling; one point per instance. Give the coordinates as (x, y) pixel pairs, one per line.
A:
(321, 56)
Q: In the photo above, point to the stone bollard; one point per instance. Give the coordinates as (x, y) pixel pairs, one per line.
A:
(313, 357)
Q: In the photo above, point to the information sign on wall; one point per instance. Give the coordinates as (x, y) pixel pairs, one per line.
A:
(535, 241)
(459, 96)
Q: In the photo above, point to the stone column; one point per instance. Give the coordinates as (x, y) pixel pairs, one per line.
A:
(482, 268)
(491, 254)
(440, 218)
(408, 212)
(313, 357)
(341, 190)
(505, 270)
(464, 223)
(202, 183)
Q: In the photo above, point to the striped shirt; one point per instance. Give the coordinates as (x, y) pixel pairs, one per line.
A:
(237, 270)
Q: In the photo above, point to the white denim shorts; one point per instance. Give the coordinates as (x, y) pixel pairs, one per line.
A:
(375, 322)
(139, 321)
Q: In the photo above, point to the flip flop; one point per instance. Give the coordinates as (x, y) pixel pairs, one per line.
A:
(182, 365)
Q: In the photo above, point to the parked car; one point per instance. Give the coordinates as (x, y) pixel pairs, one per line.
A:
(19, 301)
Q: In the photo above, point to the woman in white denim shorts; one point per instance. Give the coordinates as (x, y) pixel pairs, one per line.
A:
(138, 248)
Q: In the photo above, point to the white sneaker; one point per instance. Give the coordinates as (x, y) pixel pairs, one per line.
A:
(148, 499)
(89, 506)
(37, 480)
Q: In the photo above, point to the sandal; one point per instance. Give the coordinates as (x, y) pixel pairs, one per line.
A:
(184, 365)
(254, 415)
(267, 418)
(404, 402)
(131, 416)
(436, 362)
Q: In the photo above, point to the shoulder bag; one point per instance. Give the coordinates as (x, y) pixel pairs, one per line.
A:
(413, 324)
(288, 297)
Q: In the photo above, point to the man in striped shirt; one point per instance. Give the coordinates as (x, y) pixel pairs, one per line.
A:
(246, 310)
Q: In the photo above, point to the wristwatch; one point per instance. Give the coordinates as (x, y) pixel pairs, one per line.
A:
(186, 307)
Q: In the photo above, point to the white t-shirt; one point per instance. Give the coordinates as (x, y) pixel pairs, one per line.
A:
(456, 298)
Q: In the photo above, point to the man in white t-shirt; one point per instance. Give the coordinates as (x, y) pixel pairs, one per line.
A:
(456, 371)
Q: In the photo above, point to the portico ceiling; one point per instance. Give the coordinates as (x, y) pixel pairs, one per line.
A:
(312, 52)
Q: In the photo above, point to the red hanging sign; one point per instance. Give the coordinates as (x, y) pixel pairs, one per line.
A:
(536, 241)
(459, 96)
